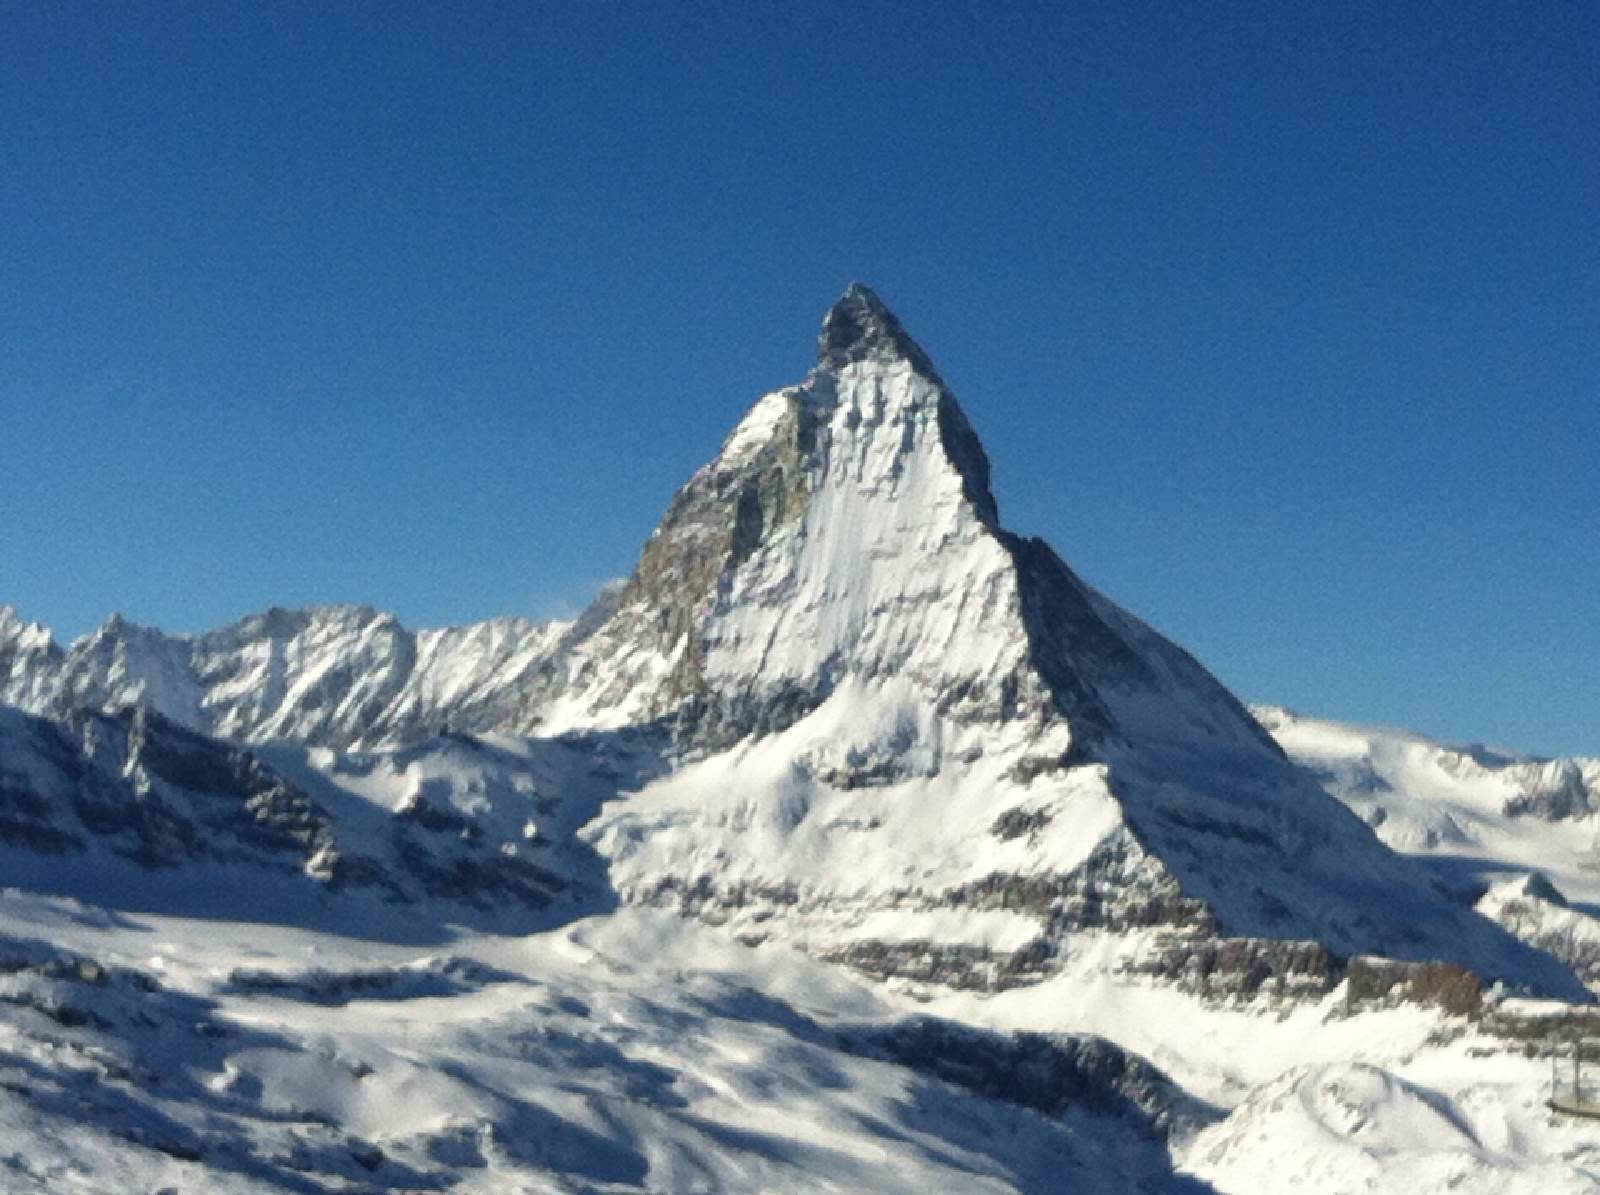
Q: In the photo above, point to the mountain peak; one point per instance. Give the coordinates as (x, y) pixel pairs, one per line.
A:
(860, 327)
(25, 635)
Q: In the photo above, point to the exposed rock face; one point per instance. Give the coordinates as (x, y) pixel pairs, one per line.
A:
(1449, 986)
(1048, 1073)
(157, 794)
(1241, 968)
(134, 787)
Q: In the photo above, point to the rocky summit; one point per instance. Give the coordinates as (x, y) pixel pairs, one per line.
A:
(839, 726)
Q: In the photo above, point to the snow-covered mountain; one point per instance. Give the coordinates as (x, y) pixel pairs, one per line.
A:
(337, 676)
(129, 806)
(1422, 795)
(1517, 835)
(925, 832)
(922, 746)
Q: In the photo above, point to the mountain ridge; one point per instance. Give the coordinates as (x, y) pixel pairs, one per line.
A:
(890, 730)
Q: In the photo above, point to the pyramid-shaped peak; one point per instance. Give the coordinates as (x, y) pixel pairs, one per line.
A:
(860, 327)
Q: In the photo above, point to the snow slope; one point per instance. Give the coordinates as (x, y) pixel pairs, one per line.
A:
(1353, 1127)
(643, 1052)
(1428, 797)
(631, 1054)
(1517, 835)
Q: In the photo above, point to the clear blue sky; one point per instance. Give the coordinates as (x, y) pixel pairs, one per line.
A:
(1281, 322)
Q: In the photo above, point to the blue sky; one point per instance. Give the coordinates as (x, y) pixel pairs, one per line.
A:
(1280, 322)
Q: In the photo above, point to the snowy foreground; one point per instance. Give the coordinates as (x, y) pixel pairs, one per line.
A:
(641, 1051)
(626, 1053)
